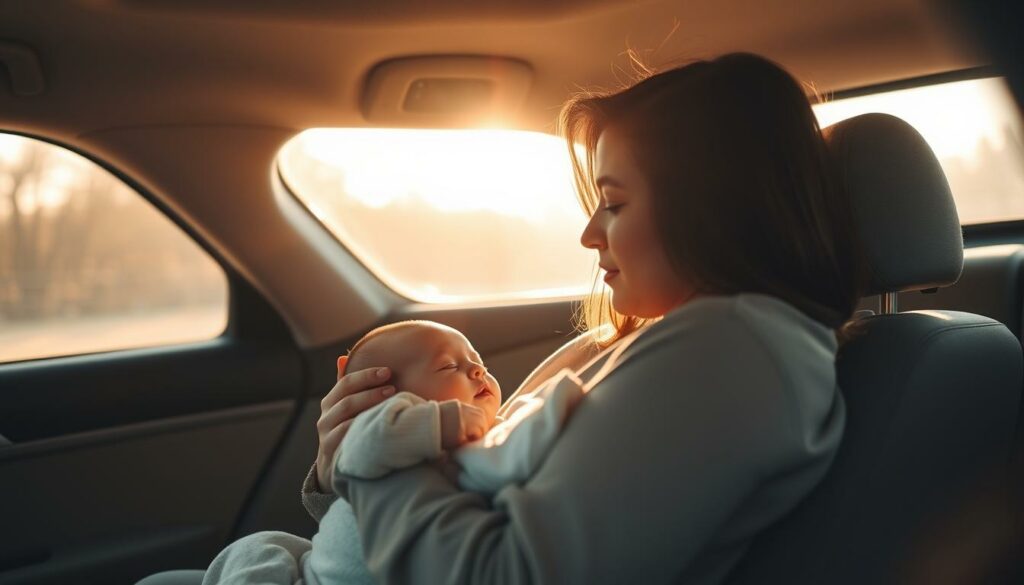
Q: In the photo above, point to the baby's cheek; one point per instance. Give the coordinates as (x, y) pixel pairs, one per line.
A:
(438, 391)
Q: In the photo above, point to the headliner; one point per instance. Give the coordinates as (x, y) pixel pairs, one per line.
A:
(299, 64)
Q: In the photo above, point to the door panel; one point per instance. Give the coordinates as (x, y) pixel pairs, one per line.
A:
(87, 503)
(127, 463)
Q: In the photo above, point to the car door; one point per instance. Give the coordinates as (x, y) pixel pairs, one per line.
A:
(134, 432)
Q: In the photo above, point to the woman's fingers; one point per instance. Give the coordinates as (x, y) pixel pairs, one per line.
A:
(354, 383)
(331, 439)
(352, 394)
(329, 443)
(350, 406)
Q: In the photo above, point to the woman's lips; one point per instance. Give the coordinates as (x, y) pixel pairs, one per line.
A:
(609, 275)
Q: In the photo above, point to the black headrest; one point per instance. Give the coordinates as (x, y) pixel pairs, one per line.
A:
(905, 213)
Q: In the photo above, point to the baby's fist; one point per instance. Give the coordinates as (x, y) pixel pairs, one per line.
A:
(474, 423)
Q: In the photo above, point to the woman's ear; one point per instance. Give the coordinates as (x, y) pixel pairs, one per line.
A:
(342, 362)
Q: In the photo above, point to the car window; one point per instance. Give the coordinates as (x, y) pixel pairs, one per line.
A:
(975, 130)
(88, 265)
(447, 216)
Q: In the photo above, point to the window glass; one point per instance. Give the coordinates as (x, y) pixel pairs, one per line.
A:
(88, 265)
(975, 130)
(447, 215)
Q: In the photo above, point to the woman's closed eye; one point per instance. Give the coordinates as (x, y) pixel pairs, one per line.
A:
(612, 207)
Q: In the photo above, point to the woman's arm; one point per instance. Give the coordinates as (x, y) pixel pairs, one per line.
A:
(358, 391)
(655, 461)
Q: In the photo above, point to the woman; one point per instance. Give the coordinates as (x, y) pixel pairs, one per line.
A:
(732, 263)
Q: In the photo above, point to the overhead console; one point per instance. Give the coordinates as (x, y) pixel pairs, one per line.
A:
(21, 64)
(445, 91)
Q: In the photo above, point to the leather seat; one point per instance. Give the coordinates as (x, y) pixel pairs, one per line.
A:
(932, 398)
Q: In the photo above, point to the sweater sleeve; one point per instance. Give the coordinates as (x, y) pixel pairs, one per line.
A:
(655, 462)
(315, 501)
(401, 431)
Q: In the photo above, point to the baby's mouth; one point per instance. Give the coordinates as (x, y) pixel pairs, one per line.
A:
(484, 391)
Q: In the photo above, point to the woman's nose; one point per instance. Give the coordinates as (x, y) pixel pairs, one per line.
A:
(593, 234)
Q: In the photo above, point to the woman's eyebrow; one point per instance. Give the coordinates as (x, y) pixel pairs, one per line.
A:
(606, 181)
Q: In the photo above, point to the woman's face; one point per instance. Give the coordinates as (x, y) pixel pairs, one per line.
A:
(622, 231)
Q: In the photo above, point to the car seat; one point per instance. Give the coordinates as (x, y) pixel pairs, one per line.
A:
(932, 397)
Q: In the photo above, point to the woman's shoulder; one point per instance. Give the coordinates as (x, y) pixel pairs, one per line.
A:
(753, 337)
(779, 326)
(753, 350)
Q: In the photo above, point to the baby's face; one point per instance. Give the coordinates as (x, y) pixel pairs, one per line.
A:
(438, 363)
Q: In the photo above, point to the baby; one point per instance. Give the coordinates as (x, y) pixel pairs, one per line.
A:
(445, 413)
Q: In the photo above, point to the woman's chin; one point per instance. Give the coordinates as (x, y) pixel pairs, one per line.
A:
(638, 310)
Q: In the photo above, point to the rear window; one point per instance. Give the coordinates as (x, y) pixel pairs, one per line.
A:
(445, 216)
(975, 130)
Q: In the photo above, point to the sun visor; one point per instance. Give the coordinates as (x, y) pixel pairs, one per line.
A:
(440, 91)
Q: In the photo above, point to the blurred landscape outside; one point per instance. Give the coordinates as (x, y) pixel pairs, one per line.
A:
(975, 130)
(446, 216)
(88, 265)
(441, 216)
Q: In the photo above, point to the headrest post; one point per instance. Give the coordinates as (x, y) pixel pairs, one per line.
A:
(888, 303)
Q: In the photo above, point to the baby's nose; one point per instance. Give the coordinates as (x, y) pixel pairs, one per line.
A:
(477, 371)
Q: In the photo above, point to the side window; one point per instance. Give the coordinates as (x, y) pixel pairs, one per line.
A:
(88, 265)
(975, 130)
(482, 215)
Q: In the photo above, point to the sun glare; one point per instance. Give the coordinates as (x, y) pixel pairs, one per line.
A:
(506, 172)
(447, 216)
(973, 128)
(954, 118)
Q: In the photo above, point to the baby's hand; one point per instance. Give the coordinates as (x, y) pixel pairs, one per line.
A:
(461, 423)
(474, 423)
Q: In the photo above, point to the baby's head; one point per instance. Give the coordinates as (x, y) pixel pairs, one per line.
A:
(430, 360)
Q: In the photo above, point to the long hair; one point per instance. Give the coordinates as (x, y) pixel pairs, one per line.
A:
(743, 196)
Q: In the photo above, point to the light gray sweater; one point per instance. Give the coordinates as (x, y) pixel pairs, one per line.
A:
(703, 429)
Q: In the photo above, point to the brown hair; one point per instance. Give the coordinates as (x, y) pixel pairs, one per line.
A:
(744, 199)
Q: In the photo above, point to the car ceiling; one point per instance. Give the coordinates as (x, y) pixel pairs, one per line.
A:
(192, 99)
(300, 64)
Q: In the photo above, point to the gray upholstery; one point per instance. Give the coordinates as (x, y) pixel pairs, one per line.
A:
(898, 186)
(932, 400)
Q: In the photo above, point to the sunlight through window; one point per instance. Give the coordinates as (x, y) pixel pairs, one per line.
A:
(975, 131)
(447, 215)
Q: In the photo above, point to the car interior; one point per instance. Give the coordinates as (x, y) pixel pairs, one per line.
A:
(201, 209)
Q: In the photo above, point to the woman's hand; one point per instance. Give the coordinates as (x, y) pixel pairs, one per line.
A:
(353, 394)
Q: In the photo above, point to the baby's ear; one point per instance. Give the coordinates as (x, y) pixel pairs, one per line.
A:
(342, 362)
